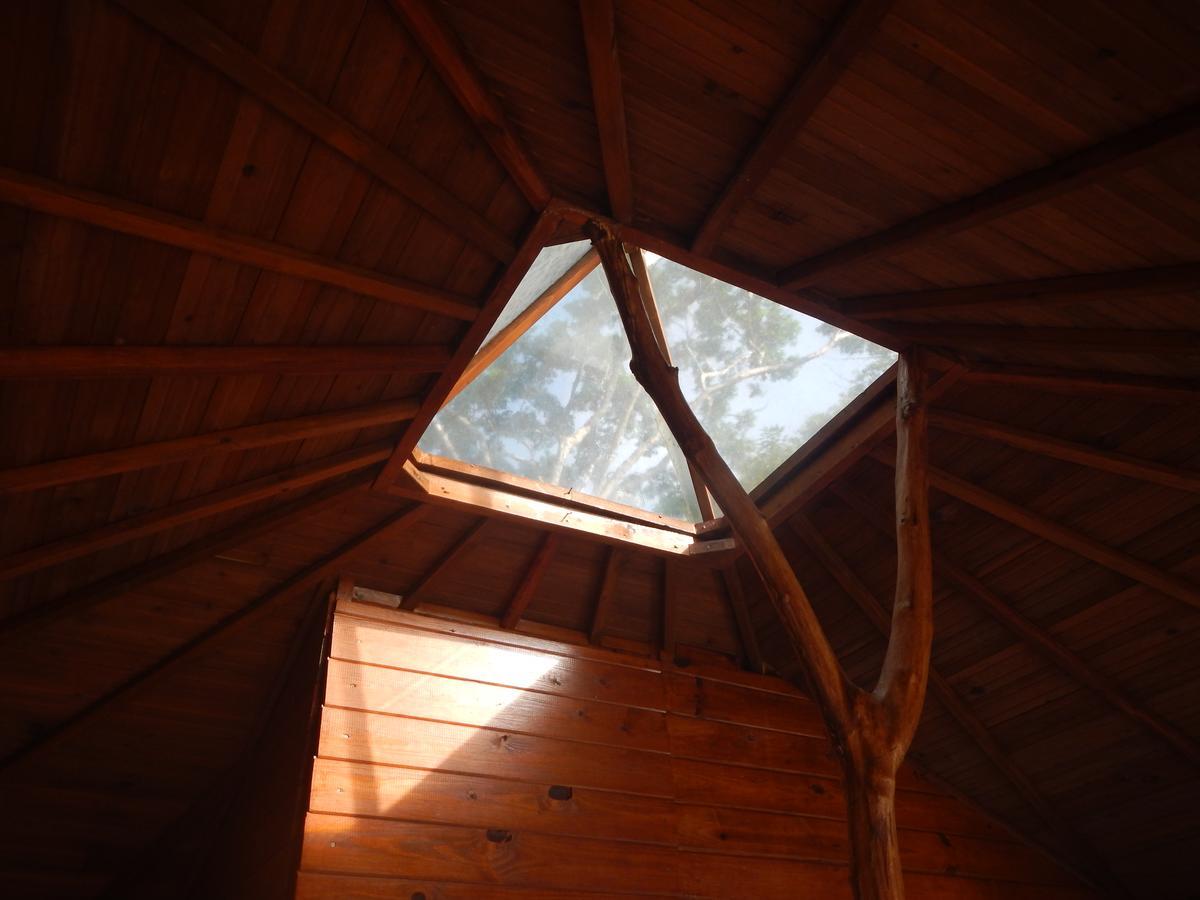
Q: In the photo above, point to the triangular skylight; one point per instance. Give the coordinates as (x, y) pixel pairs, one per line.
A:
(560, 405)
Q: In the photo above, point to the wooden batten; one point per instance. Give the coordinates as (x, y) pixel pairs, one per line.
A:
(600, 41)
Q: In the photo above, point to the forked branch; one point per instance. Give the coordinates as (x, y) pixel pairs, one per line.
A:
(870, 731)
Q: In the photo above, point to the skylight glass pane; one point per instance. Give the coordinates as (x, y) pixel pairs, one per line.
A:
(561, 406)
(761, 378)
(551, 264)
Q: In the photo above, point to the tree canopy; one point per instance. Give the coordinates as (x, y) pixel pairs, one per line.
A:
(561, 405)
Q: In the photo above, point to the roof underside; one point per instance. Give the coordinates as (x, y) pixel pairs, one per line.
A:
(204, 268)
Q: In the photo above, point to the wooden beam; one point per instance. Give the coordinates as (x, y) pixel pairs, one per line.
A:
(983, 597)
(123, 531)
(1099, 286)
(1068, 451)
(497, 503)
(637, 259)
(499, 294)
(447, 56)
(600, 41)
(227, 440)
(1099, 161)
(140, 221)
(530, 581)
(304, 580)
(670, 610)
(950, 700)
(60, 362)
(279, 518)
(442, 564)
(524, 320)
(1021, 337)
(741, 617)
(246, 68)
(855, 23)
(1078, 383)
(1022, 517)
(606, 596)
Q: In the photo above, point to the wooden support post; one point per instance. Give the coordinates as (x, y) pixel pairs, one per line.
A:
(670, 610)
(870, 731)
(606, 596)
(542, 557)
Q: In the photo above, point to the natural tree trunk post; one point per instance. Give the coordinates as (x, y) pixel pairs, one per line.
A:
(870, 732)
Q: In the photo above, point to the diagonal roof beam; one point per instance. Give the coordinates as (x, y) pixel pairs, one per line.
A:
(200, 37)
(971, 587)
(950, 700)
(600, 39)
(1048, 530)
(1132, 284)
(445, 52)
(228, 440)
(1101, 160)
(530, 581)
(1068, 451)
(205, 506)
(116, 214)
(526, 319)
(741, 617)
(606, 596)
(125, 361)
(304, 580)
(855, 23)
(443, 564)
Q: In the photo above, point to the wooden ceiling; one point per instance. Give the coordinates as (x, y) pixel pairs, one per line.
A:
(246, 248)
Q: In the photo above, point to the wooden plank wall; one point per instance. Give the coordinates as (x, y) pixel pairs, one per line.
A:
(457, 761)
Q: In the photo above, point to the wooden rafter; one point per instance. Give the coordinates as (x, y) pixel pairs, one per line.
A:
(855, 23)
(140, 221)
(523, 321)
(245, 68)
(123, 531)
(435, 397)
(600, 40)
(606, 596)
(1125, 285)
(865, 599)
(443, 563)
(1096, 384)
(1068, 538)
(741, 617)
(1039, 186)
(227, 440)
(1041, 640)
(1068, 451)
(306, 579)
(530, 580)
(55, 362)
(445, 52)
(1008, 337)
(168, 564)
(638, 260)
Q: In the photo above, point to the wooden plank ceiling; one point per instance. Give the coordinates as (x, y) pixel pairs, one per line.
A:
(246, 248)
